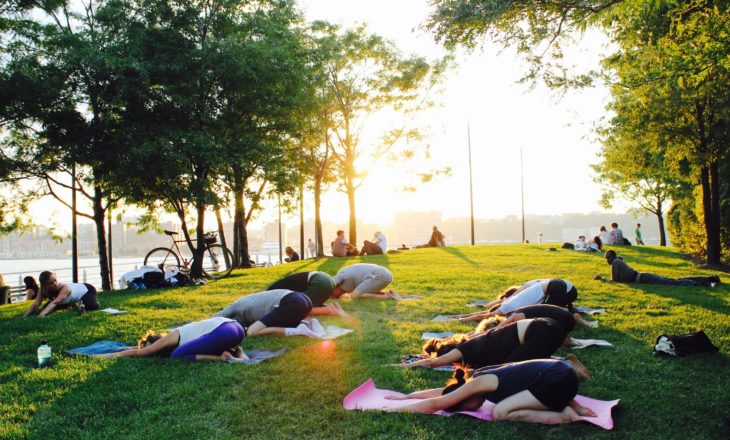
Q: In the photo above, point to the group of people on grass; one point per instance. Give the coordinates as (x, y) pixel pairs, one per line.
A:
(509, 350)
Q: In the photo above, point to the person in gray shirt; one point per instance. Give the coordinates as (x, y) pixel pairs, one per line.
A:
(364, 280)
(623, 273)
(272, 312)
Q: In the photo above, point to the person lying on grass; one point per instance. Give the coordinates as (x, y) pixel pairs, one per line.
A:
(61, 295)
(536, 391)
(623, 273)
(553, 291)
(213, 339)
(318, 286)
(563, 317)
(272, 312)
(519, 341)
(364, 281)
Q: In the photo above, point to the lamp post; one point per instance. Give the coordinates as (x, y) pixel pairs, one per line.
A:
(522, 195)
(74, 230)
(471, 186)
(281, 253)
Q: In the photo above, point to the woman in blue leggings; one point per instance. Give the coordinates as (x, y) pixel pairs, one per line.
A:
(207, 340)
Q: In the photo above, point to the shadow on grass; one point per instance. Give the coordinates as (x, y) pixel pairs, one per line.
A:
(649, 256)
(702, 297)
(331, 265)
(457, 253)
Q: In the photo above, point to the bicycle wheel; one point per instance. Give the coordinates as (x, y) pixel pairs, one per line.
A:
(162, 257)
(217, 261)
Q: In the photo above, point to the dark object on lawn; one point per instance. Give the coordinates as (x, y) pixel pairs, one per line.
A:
(568, 246)
(683, 345)
(153, 279)
(551, 249)
(626, 242)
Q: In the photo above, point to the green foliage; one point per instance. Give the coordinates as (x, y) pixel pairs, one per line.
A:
(299, 395)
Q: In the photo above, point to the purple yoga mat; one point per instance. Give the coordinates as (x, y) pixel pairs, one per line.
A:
(367, 397)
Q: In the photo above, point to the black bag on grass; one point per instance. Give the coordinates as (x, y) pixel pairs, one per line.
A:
(568, 246)
(682, 345)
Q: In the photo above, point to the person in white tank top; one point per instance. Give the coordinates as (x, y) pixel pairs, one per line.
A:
(59, 295)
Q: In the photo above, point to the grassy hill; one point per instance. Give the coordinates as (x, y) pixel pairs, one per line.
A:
(299, 395)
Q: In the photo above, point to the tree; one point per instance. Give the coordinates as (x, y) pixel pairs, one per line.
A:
(366, 74)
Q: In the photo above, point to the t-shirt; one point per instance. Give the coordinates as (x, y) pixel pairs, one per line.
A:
(78, 290)
(520, 376)
(316, 285)
(382, 242)
(252, 308)
(294, 257)
(188, 332)
(339, 247)
(617, 237)
(532, 295)
(490, 348)
(297, 282)
(622, 272)
(605, 237)
(349, 277)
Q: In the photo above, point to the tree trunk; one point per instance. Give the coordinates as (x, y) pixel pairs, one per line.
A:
(317, 216)
(241, 256)
(301, 222)
(99, 219)
(222, 234)
(196, 270)
(711, 206)
(662, 229)
(353, 220)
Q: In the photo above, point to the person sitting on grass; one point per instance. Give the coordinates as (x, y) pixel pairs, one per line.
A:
(553, 291)
(364, 281)
(318, 286)
(211, 339)
(291, 256)
(377, 247)
(623, 273)
(341, 247)
(62, 295)
(31, 288)
(272, 312)
(519, 341)
(536, 391)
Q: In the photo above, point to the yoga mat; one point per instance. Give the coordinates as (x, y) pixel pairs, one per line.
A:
(101, 347)
(335, 332)
(112, 311)
(409, 297)
(591, 342)
(589, 310)
(436, 335)
(442, 318)
(368, 397)
(480, 303)
(257, 356)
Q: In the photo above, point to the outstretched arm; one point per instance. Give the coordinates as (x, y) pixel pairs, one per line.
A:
(480, 385)
(449, 358)
(169, 340)
(424, 394)
(35, 305)
(63, 292)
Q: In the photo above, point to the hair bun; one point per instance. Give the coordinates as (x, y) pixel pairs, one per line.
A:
(459, 375)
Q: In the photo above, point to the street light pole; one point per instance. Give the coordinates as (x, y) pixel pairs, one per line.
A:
(74, 230)
(281, 254)
(522, 195)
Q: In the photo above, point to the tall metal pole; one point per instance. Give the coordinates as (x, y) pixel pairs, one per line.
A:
(281, 253)
(522, 195)
(301, 222)
(74, 230)
(109, 244)
(471, 186)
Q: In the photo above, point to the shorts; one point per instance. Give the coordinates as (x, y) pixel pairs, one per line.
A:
(556, 390)
(292, 308)
(89, 299)
(375, 282)
(320, 288)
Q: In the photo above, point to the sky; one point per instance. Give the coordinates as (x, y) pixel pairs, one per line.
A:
(553, 133)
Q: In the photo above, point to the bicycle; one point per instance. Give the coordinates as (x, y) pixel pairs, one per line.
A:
(217, 261)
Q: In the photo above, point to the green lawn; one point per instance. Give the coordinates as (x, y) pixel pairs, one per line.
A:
(299, 395)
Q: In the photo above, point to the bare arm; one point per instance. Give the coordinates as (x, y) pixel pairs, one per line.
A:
(63, 292)
(424, 394)
(259, 329)
(36, 303)
(449, 358)
(512, 318)
(480, 385)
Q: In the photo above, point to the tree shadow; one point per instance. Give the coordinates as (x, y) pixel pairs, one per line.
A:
(331, 265)
(457, 253)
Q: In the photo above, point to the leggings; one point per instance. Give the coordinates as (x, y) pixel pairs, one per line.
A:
(650, 278)
(224, 337)
(543, 337)
(89, 299)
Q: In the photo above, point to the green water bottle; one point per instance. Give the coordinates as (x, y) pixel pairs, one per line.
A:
(44, 354)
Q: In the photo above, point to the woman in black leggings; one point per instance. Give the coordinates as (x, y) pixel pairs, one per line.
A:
(537, 391)
(519, 341)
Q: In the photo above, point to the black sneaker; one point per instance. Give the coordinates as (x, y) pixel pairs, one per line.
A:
(714, 279)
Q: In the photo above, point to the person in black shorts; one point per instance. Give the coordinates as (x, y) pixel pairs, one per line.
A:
(318, 286)
(536, 391)
(566, 319)
(519, 341)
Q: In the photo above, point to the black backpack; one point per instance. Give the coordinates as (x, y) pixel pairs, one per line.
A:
(568, 246)
(682, 345)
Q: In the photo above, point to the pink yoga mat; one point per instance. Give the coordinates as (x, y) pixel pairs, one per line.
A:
(367, 397)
